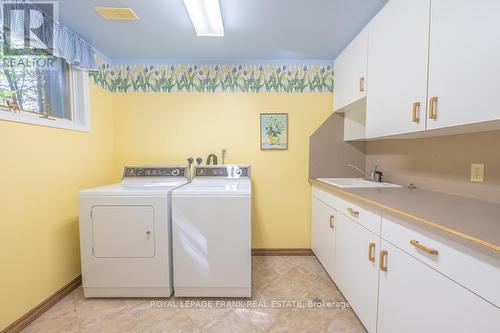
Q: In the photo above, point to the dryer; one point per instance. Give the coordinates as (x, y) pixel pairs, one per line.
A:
(125, 234)
(212, 233)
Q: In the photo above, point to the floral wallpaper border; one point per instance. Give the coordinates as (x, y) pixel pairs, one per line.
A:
(252, 78)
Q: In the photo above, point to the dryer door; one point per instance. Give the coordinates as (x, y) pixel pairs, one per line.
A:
(123, 231)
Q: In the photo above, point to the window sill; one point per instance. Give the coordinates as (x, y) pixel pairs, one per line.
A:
(37, 120)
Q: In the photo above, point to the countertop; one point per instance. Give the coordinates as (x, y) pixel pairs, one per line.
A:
(470, 219)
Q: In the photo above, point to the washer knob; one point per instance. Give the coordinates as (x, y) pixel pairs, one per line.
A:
(238, 172)
(175, 172)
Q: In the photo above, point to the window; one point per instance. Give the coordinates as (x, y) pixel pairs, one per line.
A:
(55, 95)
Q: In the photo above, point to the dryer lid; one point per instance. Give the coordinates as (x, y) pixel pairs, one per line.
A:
(153, 188)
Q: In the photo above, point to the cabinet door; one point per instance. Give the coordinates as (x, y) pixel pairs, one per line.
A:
(397, 68)
(350, 72)
(123, 231)
(322, 234)
(415, 298)
(357, 273)
(464, 66)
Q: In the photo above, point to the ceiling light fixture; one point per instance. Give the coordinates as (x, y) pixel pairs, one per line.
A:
(206, 17)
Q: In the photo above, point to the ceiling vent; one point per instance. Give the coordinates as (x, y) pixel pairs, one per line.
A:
(114, 13)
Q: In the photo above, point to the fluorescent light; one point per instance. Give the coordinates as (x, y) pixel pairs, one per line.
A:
(206, 17)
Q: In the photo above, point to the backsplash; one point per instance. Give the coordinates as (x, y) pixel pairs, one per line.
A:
(329, 154)
(441, 163)
(249, 78)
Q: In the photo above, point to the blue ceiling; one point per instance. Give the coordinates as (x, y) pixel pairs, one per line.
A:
(255, 30)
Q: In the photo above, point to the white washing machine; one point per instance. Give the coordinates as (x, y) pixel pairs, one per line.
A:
(125, 234)
(212, 233)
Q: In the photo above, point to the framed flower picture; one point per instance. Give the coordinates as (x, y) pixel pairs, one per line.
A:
(274, 131)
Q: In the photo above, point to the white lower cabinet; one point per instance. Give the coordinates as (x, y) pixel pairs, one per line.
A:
(394, 287)
(323, 234)
(357, 269)
(413, 297)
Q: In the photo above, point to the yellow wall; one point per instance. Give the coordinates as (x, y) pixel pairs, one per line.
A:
(152, 128)
(41, 171)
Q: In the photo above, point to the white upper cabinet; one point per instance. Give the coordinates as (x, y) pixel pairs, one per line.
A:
(350, 72)
(464, 62)
(397, 67)
(432, 66)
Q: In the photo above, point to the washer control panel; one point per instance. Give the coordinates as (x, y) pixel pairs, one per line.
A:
(226, 171)
(153, 171)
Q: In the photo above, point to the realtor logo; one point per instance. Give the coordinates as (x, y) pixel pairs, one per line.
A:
(28, 28)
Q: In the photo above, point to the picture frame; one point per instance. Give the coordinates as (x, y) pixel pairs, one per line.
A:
(274, 131)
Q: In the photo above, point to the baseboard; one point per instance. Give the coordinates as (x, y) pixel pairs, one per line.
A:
(41, 308)
(282, 252)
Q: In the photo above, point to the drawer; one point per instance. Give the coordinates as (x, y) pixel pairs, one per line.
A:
(366, 215)
(475, 270)
(328, 198)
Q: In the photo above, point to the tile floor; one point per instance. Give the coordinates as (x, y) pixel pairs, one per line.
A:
(284, 288)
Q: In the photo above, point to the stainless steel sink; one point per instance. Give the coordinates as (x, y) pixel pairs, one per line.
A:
(356, 183)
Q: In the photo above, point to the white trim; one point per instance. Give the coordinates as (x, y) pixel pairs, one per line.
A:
(80, 111)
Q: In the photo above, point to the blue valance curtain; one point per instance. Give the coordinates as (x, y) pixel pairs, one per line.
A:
(65, 43)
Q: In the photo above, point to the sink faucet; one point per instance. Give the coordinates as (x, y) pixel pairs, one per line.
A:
(212, 158)
(375, 175)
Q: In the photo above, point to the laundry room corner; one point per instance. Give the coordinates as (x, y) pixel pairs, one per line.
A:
(254, 166)
(166, 128)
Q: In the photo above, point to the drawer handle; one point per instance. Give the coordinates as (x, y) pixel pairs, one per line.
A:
(332, 221)
(415, 112)
(353, 212)
(371, 252)
(383, 264)
(424, 248)
(362, 84)
(432, 104)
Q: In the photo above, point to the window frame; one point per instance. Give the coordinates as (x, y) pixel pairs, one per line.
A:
(79, 103)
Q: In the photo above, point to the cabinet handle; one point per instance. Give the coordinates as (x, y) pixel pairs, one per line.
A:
(423, 248)
(415, 112)
(371, 252)
(353, 212)
(383, 264)
(332, 221)
(362, 84)
(432, 104)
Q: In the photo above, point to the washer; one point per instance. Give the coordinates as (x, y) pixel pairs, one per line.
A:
(212, 233)
(125, 234)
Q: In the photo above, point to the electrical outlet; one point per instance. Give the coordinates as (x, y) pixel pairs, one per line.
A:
(477, 173)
